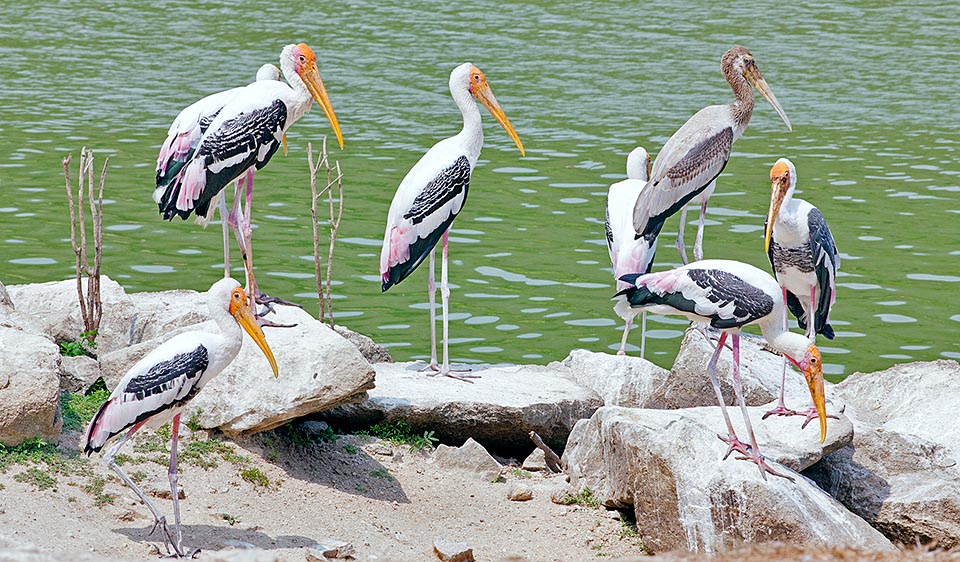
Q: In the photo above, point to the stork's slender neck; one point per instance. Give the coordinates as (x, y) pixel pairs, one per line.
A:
(229, 328)
(302, 100)
(471, 137)
(780, 338)
(742, 109)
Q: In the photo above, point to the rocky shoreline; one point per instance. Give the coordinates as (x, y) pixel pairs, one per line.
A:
(640, 438)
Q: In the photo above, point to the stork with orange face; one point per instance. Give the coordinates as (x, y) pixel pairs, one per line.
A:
(432, 194)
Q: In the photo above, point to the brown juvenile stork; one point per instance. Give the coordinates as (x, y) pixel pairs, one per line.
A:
(694, 156)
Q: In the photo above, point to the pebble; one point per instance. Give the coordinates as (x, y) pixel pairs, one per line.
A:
(520, 493)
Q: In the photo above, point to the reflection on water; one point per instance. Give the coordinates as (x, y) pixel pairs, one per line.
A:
(529, 272)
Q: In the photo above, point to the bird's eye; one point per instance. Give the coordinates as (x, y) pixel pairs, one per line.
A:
(303, 58)
(476, 78)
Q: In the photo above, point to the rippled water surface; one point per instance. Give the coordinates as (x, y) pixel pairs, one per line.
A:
(871, 91)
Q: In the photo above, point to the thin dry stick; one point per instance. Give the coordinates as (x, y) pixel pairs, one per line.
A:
(90, 306)
(324, 291)
(554, 463)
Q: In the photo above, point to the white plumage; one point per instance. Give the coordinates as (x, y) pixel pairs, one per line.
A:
(628, 254)
(433, 192)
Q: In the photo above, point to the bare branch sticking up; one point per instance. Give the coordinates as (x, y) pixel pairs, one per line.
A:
(554, 464)
(324, 289)
(90, 304)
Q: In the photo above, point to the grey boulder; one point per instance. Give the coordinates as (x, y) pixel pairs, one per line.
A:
(29, 387)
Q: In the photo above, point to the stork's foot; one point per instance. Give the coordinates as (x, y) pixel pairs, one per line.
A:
(461, 374)
(268, 301)
(747, 453)
(810, 414)
(169, 544)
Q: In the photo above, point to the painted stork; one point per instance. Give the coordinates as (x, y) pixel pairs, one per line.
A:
(804, 258)
(627, 253)
(432, 194)
(184, 136)
(242, 138)
(729, 295)
(159, 386)
(689, 163)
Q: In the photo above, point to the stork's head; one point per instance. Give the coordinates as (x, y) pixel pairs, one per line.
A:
(301, 60)
(812, 366)
(739, 60)
(783, 179)
(638, 164)
(226, 294)
(470, 77)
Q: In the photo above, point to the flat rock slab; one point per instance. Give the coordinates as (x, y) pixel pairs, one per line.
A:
(499, 409)
(667, 465)
(901, 473)
(319, 369)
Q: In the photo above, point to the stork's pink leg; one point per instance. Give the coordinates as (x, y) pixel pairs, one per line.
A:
(781, 409)
(444, 298)
(623, 340)
(681, 247)
(753, 454)
(731, 439)
(159, 521)
(225, 223)
(643, 333)
(432, 300)
(247, 230)
(172, 476)
(698, 245)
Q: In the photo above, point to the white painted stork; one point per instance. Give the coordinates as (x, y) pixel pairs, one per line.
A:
(184, 136)
(729, 295)
(432, 194)
(690, 161)
(804, 258)
(242, 138)
(629, 254)
(159, 386)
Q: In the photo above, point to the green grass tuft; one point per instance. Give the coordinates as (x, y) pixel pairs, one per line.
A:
(400, 432)
(231, 519)
(40, 478)
(31, 451)
(84, 345)
(585, 498)
(95, 489)
(255, 476)
(79, 409)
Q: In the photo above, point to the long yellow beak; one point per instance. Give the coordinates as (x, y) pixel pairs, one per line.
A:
(776, 199)
(814, 376)
(485, 96)
(311, 78)
(244, 316)
(752, 74)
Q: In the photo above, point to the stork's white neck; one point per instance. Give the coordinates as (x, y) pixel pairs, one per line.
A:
(471, 137)
(229, 328)
(302, 100)
(780, 338)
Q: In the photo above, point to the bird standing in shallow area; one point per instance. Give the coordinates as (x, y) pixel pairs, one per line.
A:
(432, 194)
(730, 295)
(804, 258)
(184, 135)
(690, 161)
(159, 386)
(242, 138)
(629, 254)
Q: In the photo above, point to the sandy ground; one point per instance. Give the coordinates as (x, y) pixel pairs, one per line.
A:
(385, 499)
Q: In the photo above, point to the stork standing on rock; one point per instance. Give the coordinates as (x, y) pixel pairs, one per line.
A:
(629, 254)
(431, 196)
(159, 386)
(689, 163)
(804, 258)
(730, 295)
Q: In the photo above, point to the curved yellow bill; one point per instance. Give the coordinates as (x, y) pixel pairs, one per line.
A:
(284, 139)
(814, 375)
(311, 78)
(484, 95)
(752, 74)
(244, 316)
(776, 198)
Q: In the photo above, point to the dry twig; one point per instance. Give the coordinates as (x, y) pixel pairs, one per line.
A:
(90, 305)
(324, 290)
(553, 461)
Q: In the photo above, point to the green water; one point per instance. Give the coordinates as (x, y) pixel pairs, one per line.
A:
(871, 91)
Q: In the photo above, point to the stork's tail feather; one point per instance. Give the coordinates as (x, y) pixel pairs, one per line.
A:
(828, 332)
(97, 434)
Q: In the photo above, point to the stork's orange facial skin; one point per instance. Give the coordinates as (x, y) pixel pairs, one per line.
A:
(779, 185)
(305, 65)
(482, 92)
(240, 310)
